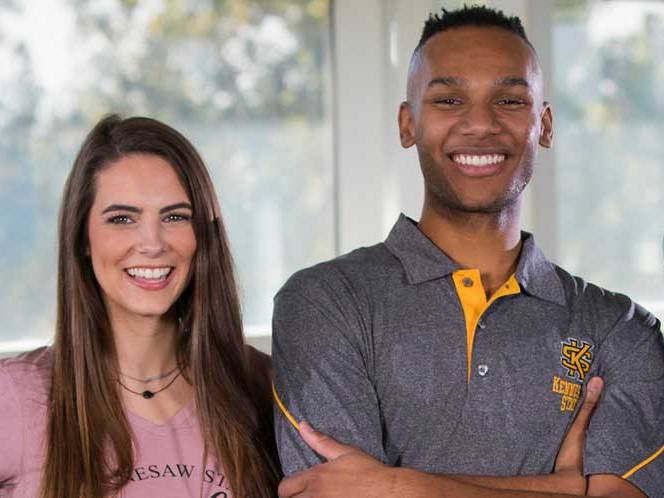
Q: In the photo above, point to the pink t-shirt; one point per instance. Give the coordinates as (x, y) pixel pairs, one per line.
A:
(168, 457)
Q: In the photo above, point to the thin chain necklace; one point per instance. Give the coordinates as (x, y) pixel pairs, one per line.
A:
(147, 380)
(147, 394)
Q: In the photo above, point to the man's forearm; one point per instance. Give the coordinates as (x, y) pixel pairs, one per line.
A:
(570, 483)
(415, 484)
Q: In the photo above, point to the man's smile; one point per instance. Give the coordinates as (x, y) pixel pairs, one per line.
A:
(478, 159)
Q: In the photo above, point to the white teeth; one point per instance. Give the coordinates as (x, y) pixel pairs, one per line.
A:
(478, 160)
(150, 273)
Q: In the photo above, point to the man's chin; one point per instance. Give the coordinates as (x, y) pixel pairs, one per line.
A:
(496, 207)
(477, 206)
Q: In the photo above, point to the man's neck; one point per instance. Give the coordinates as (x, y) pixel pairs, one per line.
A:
(489, 242)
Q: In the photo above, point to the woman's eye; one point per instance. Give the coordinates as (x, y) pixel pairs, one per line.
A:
(176, 217)
(120, 219)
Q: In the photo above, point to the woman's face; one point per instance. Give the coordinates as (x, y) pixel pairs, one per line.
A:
(140, 234)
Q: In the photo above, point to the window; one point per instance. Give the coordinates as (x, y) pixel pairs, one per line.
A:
(248, 81)
(609, 72)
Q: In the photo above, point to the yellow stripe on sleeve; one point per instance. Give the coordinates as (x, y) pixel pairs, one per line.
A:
(648, 460)
(283, 409)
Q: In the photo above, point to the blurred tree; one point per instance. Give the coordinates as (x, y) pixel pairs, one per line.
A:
(609, 148)
(248, 81)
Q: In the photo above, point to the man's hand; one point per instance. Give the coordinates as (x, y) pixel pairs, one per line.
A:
(567, 477)
(350, 473)
(347, 472)
(569, 462)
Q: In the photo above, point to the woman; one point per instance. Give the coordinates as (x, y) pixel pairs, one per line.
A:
(148, 389)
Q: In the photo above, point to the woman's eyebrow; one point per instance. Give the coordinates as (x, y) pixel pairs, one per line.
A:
(121, 207)
(134, 209)
(179, 205)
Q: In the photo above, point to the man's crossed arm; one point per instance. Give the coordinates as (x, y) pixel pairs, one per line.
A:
(351, 473)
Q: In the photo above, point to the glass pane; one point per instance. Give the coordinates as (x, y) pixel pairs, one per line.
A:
(609, 72)
(248, 81)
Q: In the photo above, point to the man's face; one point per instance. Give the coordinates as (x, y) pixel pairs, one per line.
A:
(476, 115)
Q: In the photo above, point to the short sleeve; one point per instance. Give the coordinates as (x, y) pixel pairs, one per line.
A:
(626, 432)
(321, 376)
(11, 431)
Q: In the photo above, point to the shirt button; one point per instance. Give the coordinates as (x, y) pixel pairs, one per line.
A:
(467, 282)
(482, 370)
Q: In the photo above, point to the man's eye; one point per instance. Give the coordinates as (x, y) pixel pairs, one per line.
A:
(510, 102)
(120, 219)
(450, 101)
(177, 217)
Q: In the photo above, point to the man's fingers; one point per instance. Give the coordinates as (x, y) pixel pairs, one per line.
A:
(293, 485)
(324, 445)
(570, 455)
(594, 389)
(593, 392)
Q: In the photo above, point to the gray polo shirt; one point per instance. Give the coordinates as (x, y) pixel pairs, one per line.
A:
(371, 348)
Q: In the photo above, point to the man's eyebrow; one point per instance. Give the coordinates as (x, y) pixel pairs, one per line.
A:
(456, 81)
(513, 81)
(121, 207)
(447, 81)
(179, 205)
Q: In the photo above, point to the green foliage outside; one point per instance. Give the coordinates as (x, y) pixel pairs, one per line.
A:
(248, 81)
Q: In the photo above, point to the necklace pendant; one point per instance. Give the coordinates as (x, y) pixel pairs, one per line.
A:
(147, 394)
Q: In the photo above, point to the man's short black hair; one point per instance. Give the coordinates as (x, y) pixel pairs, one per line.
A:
(475, 15)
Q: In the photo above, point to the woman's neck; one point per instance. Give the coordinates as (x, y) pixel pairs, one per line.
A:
(145, 346)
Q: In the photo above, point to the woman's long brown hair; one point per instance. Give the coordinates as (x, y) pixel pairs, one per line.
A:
(89, 451)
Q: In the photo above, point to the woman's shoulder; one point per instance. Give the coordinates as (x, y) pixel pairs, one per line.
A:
(24, 381)
(32, 366)
(27, 374)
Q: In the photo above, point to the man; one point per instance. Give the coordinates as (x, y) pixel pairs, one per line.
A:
(450, 360)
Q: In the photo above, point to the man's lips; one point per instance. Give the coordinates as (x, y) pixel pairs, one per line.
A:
(478, 163)
(478, 160)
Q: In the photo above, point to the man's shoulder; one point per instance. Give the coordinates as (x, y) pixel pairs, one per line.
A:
(595, 303)
(358, 268)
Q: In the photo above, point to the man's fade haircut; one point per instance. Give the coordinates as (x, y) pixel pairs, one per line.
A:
(474, 15)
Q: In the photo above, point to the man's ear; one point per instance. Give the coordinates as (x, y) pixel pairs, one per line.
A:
(546, 131)
(406, 125)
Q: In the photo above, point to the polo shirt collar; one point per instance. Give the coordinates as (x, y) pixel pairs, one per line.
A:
(420, 257)
(422, 261)
(536, 274)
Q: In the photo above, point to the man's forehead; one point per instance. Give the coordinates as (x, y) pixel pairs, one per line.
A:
(459, 50)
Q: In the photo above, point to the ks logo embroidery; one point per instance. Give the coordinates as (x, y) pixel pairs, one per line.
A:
(576, 356)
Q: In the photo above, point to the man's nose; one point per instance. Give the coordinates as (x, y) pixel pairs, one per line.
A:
(480, 120)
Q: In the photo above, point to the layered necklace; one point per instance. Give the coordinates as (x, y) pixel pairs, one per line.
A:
(147, 393)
